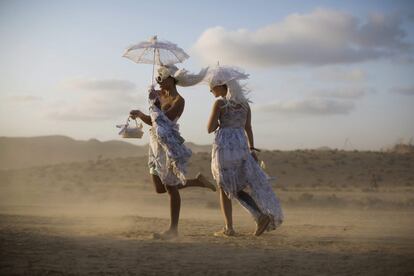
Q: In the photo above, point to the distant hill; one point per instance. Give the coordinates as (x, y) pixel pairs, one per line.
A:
(22, 152)
(324, 149)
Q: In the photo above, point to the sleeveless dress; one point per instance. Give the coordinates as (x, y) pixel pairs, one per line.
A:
(234, 169)
(168, 156)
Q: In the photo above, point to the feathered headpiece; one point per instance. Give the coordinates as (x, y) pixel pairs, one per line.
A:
(230, 76)
(182, 76)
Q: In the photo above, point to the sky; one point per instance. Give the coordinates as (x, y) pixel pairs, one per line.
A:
(322, 73)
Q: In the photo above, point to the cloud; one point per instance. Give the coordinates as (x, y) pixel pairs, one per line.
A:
(321, 37)
(383, 31)
(338, 74)
(102, 99)
(95, 106)
(324, 102)
(408, 90)
(410, 16)
(309, 107)
(99, 84)
(343, 93)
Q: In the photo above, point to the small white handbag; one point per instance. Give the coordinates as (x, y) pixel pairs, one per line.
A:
(128, 131)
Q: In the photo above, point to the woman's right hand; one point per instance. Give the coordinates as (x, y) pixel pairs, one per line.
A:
(135, 113)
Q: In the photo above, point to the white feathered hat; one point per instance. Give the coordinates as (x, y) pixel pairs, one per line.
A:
(230, 76)
(182, 76)
(224, 74)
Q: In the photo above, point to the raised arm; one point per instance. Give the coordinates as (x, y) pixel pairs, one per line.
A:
(213, 122)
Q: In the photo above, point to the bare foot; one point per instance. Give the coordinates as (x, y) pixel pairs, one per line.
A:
(205, 182)
(262, 224)
(225, 232)
(167, 235)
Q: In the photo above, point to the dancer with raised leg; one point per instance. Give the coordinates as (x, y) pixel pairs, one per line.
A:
(168, 155)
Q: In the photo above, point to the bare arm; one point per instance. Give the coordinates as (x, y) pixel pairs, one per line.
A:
(248, 128)
(145, 118)
(213, 122)
(249, 133)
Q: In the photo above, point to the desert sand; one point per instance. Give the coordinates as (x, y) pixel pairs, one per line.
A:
(97, 217)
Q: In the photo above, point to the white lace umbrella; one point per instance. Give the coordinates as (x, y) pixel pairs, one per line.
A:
(154, 52)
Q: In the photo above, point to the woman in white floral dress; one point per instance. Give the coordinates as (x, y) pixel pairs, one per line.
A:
(234, 162)
(168, 155)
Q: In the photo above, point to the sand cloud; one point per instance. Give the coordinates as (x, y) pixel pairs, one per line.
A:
(322, 37)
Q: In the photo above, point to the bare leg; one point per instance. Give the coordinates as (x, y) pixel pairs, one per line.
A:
(159, 186)
(262, 220)
(226, 209)
(192, 183)
(199, 181)
(175, 205)
(247, 199)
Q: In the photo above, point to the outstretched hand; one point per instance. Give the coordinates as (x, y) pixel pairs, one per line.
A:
(135, 113)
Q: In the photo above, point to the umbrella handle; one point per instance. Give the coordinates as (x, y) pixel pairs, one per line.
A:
(153, 67)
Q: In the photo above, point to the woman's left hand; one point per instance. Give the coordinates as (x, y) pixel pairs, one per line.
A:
(253, 153)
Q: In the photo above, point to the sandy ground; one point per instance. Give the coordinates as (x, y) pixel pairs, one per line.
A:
(98, 217)
(41, 241)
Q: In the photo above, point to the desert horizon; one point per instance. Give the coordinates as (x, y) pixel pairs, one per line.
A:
(14, 148)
